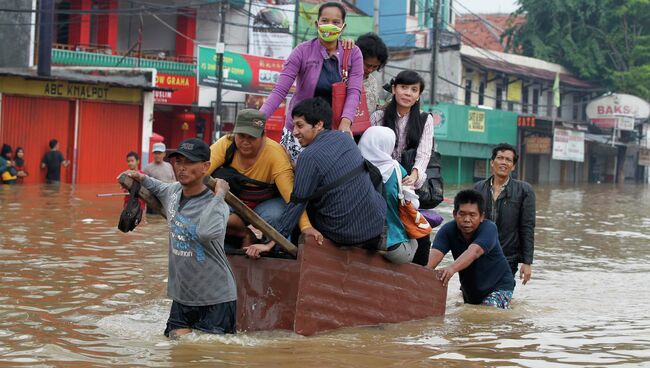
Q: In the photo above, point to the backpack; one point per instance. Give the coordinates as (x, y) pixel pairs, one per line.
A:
(132, 212)
(250, 191)
(432, 191)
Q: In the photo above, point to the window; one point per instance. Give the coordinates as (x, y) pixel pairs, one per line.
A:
(535, 101)
(499, 99)
(481, 93)
(576, 107)
(62, 22)
(549, 103)
(468, 92)
(524, 99)
(412, 7)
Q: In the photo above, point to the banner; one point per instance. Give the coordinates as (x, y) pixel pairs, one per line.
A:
(538, 145)
(271, 28)
(644, 157)
(241, 72)
(568, 145)
(184, 89)
(513, 92)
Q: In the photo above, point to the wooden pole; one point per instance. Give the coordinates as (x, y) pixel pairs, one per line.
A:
(237, 205)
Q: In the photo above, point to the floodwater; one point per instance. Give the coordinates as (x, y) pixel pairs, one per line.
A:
(76, 291)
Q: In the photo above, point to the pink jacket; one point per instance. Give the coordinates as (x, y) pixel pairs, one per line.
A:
(303, 66)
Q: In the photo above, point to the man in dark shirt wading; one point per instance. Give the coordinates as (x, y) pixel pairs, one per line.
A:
(485, 276)
(52, 161)
(201, 283)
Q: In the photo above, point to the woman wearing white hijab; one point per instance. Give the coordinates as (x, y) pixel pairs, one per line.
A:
(376, 146)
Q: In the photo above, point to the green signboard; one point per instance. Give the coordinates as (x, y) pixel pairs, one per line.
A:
(355, 24)
(241, 72)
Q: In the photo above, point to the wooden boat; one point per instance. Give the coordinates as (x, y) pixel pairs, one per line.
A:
(328, 287)
(325, 287)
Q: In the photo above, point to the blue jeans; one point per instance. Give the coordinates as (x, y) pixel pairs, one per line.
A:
(270, 210)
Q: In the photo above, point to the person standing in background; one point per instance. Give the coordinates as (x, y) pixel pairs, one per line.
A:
(19, 164)
(375, 56)
(52, 161)
(510, 203)
(159, 168)
(7, 169)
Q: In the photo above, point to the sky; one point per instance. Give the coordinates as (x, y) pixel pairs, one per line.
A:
(486, 6)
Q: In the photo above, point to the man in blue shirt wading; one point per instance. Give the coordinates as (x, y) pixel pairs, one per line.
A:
(485, 275)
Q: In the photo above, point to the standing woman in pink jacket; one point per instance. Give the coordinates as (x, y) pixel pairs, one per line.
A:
(315, 65)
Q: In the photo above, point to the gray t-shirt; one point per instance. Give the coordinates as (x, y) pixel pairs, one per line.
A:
(162, 171)
(199, 272)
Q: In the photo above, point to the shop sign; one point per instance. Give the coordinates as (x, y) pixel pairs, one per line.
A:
(476, 121)
(241, 72)
(538, 145)
(70, 90)
(603, 111)
(625, 123)
(568, 145)
(644, 157)
(183, 86)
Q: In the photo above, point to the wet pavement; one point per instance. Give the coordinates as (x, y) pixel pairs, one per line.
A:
(76, 291)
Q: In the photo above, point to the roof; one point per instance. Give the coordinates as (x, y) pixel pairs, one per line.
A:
(485, 30)
(506, 67)
(118, 77)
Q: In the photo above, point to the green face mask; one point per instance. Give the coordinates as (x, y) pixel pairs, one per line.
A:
(329, 32)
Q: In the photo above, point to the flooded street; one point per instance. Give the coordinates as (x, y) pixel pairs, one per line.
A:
(76, 291)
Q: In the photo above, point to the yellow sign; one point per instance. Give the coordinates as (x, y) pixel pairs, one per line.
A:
(65, 89)
(476, 121)
(514, 90)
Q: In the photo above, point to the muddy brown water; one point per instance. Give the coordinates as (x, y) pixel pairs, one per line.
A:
(74, 291)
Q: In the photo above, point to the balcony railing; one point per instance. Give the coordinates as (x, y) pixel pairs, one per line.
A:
(102, 57)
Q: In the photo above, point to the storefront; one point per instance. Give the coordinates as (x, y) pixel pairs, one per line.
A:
(465, 137)
(96, 124)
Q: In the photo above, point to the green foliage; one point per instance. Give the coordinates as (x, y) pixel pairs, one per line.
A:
(604, 41)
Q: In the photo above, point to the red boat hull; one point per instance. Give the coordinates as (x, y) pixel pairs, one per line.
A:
(329, 287)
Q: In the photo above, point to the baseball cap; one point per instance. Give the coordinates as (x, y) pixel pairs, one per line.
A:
(251, 122)
(193, 149)
(159, 147)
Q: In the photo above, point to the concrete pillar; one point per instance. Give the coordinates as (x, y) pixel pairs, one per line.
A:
(79, 31)
(107, 24)
(186, 24)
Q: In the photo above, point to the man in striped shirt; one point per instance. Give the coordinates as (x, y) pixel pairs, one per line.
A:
(350, 213)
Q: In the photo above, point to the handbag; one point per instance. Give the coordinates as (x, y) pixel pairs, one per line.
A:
(431, 194)
(415, 224)
(361, 120)
(132, 212)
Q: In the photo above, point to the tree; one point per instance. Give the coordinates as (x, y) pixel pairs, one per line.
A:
(603, 41)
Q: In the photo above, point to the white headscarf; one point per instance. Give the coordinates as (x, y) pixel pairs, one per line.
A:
(376, 145)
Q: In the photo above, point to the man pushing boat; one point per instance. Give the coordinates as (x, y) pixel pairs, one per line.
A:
(201, 282)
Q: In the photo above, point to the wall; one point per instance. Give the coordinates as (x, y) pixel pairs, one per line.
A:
(155, 36)
(17, 50)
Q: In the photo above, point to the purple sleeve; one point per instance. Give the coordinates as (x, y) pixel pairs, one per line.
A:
(355, 82)
(287, 77)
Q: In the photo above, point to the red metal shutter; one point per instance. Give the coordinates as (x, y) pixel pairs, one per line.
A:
(30, 122)
(107, 132)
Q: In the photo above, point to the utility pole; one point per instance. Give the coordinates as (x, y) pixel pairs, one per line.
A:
(220, 49)
(45, 24)
(375, 17)
(435, 44)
